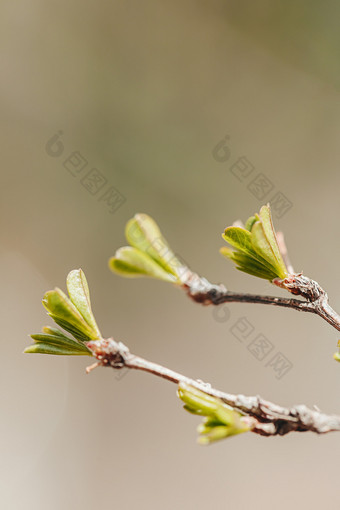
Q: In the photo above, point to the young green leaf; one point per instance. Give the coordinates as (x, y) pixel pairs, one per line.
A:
(54, 331)
(77, 333)
(56, 343)
(43, 348)
(247, 264)
(263, 248)
(59, 306)
(240, 239)
(131, 262)
(249, 223)
(149, 253)
(269, 231)
(220, 420)
(256, 265)
(264, 242)
(256, 248)
(142, 232)
(197, 401)
(73, 315)
(79, 294)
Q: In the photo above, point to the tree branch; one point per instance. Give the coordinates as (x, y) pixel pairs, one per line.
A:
(316, 299)
(265, 418)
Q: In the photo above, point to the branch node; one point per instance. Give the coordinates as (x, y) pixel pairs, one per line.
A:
(109, 352)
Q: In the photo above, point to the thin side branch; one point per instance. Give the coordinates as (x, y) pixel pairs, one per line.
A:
(315, 298)
(265, 418)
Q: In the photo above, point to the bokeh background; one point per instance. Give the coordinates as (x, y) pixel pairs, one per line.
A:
(144, 92)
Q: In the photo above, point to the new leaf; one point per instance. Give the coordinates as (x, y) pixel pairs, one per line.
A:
(149, 253)
(73, 314)
(256, 248)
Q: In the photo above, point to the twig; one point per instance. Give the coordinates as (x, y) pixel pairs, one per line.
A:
(265, 418)
(316, 299)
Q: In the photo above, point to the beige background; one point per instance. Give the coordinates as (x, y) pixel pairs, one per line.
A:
(145, 91)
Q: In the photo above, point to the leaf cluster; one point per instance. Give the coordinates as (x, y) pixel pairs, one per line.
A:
(256, 250)
(220, 420)
(73, 314)
(148, 253)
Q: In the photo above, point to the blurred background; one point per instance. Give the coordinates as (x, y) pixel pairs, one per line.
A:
(196, 113)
